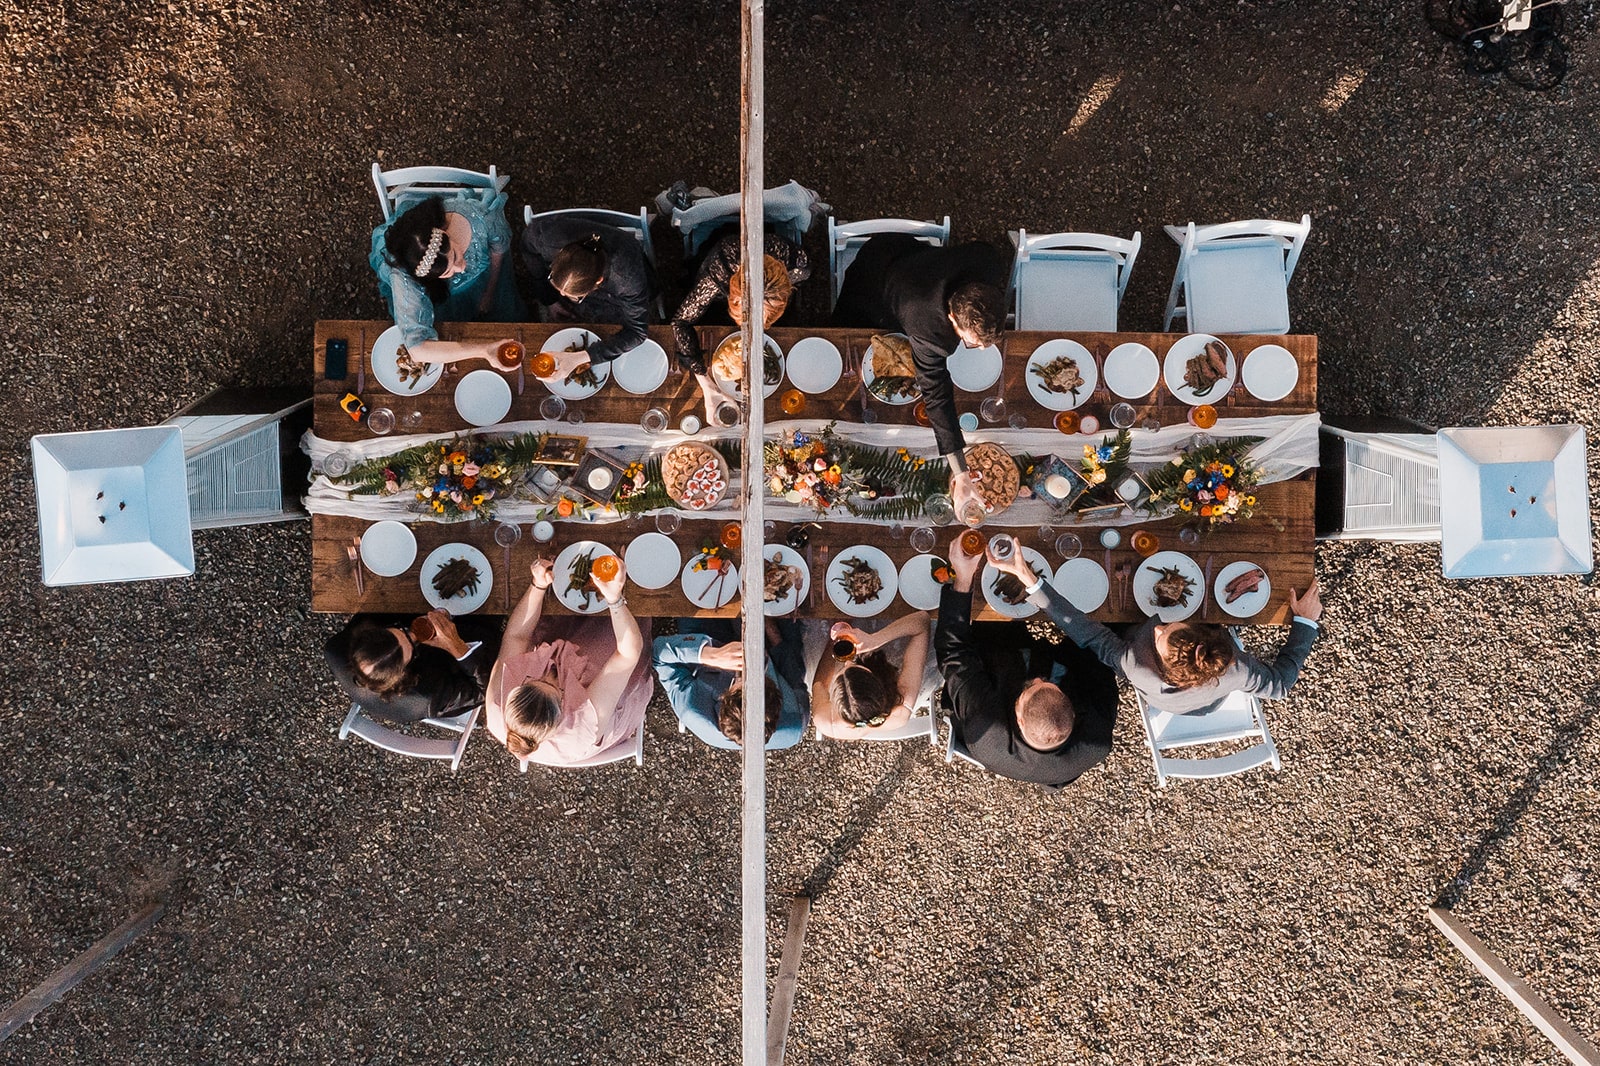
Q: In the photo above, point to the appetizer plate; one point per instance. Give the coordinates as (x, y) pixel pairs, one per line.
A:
(814, 365)
(641, 370)
(386, 367)
(1083, 582)
(1178, 356)
(653, 560)
(388, 548)
(562, 570)
(887, 572)
(784, 555)
(867, 377)
(918, 587)
(1144, 583)
(736, 388)
(710, 588)
(465, 602)
(974, 369)
(1056, 349)
(1251, 603)
(1025, 609)
(483, 397)
(1132, 370)
(560, 341)
(1270, 372)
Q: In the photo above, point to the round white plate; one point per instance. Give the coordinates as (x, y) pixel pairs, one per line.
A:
(1083, 582)
(1178, 356)
(879, 561)
(787, 556)
(710, 588)
(466, 602)
(868, 376)
(1270, 372)
(386, 367)
(562, 570)
(1144, 583)
(388, 548)
(814, 365)
(483, 397)
(917, 586)
(1251, 603)
(652, 560)
(1132, 370)
(990, 575)
(974, 369)
(641, 370)
(1061, 401)
(559, 342)
(736, 388)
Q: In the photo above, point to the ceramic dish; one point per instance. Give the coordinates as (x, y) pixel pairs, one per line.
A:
(641, 370)
(814, 365)
(1270, 372)
(709, 588)
(483, 397)
(1050, 351)
(1083, 582)
(1251, 603)
(1132, 370)
(575, 338)
(1146, 576)
(1178, 356)
(388, 548)
(653, 560)
(783, 555)
(572, 600)
(386, 367)
(974, 369)
(880, 563)
(463, 602)
(1026, 608)
(918, 586)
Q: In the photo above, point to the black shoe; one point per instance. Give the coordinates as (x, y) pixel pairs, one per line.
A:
(678, 195)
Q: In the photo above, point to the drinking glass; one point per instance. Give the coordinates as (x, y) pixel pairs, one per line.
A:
(1122, 415)
(336, 464)
(653, 421)
(896, 530)
(844, 649)
(1069, 545)
(507, 533)
(1201, 440)
(974, 513)
(575, 416)
(992, 409)
(1189, 535)
(1018, 420)
(939, 509)
(1151, 424)
(726, 414)
(667, 522)
(1047, 533)
(1145, 543)
(923, 538)
(1067, 421)
(552, 407)
(791, 401)
(380, 420)
(1000, 546)
(411, 420)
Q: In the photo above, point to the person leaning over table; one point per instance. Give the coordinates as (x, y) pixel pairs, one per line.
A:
(1180, 667)
(937, 297)
(589, 272)
(872, 691)
(398, 679)
(568, 690)
(704, 681)
(1030, 714)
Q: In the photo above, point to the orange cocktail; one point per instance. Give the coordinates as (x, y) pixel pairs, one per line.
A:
(605, 568)
(1203, 416)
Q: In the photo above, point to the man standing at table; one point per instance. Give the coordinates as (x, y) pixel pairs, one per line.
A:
(703, 681)
(938, 297)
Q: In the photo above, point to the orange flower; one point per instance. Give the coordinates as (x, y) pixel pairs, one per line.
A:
(468, 482)
(564, 507)
(1222, 492)
(1205, 511)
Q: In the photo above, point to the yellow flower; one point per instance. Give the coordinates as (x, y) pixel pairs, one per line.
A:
(477, 501)
(1188, 475)
(1097, 477)
(1185, 505)
(1227, 471)
(1249, 501)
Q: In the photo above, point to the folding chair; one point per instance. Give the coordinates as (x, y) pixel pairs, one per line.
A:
(1070, 281)
(788, 210)
(918, 725)
(407, 185)
(844, 241)
(638, 225)
(1378, 480)
(1234, 278)
(954, 748)
(1238, 718)
(358, 724)
(636, 753)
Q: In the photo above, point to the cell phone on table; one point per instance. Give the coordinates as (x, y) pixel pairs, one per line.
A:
(336, 359)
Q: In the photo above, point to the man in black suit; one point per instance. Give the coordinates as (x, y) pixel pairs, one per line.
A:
(937, 297)
(399, 679)
(1035, 712)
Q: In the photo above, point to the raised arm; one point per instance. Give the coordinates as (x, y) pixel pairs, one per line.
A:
(1084, 631)
(608, 687)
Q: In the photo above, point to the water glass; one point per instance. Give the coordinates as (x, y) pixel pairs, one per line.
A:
(726, 414)
(1151, 424)
(1017, 420)
(1201, 440)
(653, 421)
(939, 509)
(667, 522)
(380, 420)
(575, 416)
(507, 533)
(1122, 415)
(336, 464)
(1069, 546)
(992, 409)
(896, 530)
(974, 513)
(923, 538)
(1189, 535)
(552, 407)
(411, 420)
(1000, 546)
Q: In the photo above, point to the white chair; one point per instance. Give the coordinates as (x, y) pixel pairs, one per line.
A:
(398, 188)
(954, 748)
(1234, 278)
(845, 240)
(379, 735)
(918, 725)
(1070, 281)
(636, 753)
(1378, 482)
(1239, 718)
(638, 225)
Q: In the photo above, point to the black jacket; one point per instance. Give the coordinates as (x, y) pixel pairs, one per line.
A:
(437, 685)
(625, 292)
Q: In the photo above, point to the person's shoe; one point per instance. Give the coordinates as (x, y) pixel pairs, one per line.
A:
(678, 195)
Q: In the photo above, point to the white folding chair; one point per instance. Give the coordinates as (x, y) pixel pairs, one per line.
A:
(406, 185)
(845, 240)
(358, 724)
(918, 725)
(1379, 482)
(1234, 277)
(635, 752)
(1070, 281)
(954, 748)
(1239, 718)
(638, 225)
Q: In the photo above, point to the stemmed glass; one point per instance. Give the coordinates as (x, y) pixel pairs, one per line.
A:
(939, 509)
(411, 420)
(336, 465)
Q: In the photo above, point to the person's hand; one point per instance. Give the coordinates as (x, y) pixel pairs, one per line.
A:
(544, 574)
(445, 636)
(714, 396)
(1307, 605)
(729, 656)
(566, 363)
(612, 588)
(1014, 564)
(846, 631)
(964, 566)
(964, 490)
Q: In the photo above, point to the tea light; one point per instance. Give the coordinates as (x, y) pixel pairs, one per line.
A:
(1057, 486)
(1089, 424)
(1110, 538)
(543, 531)
(1129, 489)
(600, 478)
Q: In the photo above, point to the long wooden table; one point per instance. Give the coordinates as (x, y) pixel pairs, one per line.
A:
(1285, 553)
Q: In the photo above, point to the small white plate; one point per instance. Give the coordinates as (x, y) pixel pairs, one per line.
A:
(386, 367)
(868, 376)
(1251, 603)
(1026, 608)
(736, 388)
(888, 573)
(559, 342)
(465, 602)
(1144, 583)
(1052, 350)
(643, 369)
(784, 555)
(483, 397)
(974, 369)
(1132, 370)
(1178, 356)
(575, 601)
(652, 560)
(1270, 372)
(710, 588)
(1083, 582)
(388, 548)
(814, 365)
(917, 586)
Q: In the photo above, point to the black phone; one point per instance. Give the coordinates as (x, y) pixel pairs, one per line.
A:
(336, 359)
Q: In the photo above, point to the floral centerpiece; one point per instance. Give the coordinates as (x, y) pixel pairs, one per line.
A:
(450, 481)
(811, 469)
(1103, 467)
(1214, 483)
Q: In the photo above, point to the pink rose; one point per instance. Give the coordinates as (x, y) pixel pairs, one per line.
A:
(470, 470)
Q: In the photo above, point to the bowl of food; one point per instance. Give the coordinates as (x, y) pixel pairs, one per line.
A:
(696, 477)
(995, 475)
(727, 365)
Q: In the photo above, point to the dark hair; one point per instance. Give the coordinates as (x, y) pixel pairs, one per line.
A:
(407, 240)
(1197, 653)
(377, 660)
(580, 266)
(1046, 717)
(862, 690)
(730, 711)
(979, 308)
(532, 714)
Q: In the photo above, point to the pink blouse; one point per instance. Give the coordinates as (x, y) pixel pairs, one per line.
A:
(580, 648)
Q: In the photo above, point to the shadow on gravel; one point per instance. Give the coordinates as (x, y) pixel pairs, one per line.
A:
(865, 815)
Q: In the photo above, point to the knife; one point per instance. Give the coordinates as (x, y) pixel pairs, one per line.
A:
(355, 567)
(520, 365)
(361, 365)
(1205, 589)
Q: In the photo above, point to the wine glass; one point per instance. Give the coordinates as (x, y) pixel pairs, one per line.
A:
(667, 522)
(336, 465)
(939, 509)
(411, 420)
(507, 533)
(575, 416)
(1122, 415)
(1017, 420)
(992, 409)
(1189, 535)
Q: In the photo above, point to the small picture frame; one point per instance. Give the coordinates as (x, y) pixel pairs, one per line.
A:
(1100, 512)
(558, 450)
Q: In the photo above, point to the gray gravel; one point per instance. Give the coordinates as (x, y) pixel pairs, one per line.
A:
(187, 193)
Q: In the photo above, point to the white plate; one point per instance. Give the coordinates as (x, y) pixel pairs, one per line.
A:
(1132, 370)
(643, 369)
(562, 569)
(388, 548)
(1060, 401)
(1270, 372)
(814, 365)
(868, 376)
(974, 369)
(710, 588)
(1178, 356)
(879, 561)
(483, 397)
(465, 603)
(1024, 609)
(787, 556)
(736, 388)
(559, 342)
(386, 366)
(917, 586)
(1144, 583)
(653, 560)
(1083, 582)
(1251, 603)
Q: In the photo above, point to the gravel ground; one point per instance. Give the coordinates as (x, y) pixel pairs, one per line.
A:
(186, 187)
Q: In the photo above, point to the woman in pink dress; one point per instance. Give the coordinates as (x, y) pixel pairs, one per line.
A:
(569, 691)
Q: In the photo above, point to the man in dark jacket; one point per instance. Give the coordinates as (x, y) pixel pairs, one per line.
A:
(590, 272)
(399, 679)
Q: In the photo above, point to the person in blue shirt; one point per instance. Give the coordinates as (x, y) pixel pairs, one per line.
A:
(702, 667)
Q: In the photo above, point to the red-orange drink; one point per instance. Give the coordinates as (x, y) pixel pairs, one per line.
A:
(605, 568)
(732, 535)
(510, 355)
(543, 365)
(1203, 417)
(920, 413)
(422, 629)
(1145, 543)
(972, 542)
(791, 401)
(1067, 421)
